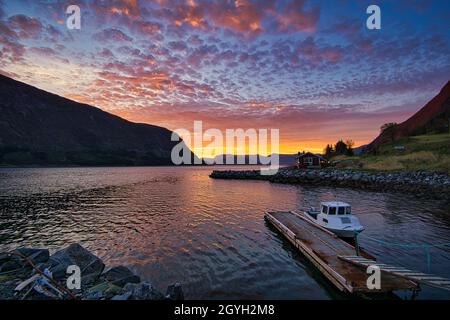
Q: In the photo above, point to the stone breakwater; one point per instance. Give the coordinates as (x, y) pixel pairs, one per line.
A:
(420, 183)
(34, 274)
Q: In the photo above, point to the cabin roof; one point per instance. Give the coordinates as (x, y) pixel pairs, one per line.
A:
(335, 204)
(301, 155)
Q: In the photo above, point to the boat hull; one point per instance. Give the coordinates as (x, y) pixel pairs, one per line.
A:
(344, 233)
(341, 233)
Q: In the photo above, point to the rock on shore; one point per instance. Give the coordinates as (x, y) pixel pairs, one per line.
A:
(21, 278)
(420, 183)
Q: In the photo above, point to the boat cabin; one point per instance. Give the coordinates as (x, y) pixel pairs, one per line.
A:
(335, 208)
(308, 160)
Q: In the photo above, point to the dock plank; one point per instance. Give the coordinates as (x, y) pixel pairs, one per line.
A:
(323, 249)
(416, 276)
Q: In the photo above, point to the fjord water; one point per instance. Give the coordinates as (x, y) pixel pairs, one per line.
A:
(174, 224)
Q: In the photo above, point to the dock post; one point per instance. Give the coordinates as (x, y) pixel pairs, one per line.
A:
(356, 243)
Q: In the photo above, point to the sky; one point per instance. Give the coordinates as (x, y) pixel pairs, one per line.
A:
(311, 69)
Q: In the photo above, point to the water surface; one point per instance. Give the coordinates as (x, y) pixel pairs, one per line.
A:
(177, 225)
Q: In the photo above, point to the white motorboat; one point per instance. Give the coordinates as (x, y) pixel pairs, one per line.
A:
(337, 217)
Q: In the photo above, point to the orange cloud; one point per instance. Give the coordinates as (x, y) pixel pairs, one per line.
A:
(240, 16)
(300, 130)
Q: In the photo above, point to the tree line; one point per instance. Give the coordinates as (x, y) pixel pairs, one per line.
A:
(339, 148)
(346, 147)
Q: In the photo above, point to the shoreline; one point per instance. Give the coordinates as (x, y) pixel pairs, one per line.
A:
(421, 183)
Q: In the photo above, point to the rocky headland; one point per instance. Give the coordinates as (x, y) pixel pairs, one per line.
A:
(420, 183)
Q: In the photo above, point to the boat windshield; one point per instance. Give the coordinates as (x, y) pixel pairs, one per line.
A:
(341, 210)
(332, 210)
(348, 210)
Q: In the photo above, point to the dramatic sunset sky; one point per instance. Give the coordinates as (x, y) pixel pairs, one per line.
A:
(309, 68)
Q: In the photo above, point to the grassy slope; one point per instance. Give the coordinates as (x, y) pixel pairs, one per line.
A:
(426, 152)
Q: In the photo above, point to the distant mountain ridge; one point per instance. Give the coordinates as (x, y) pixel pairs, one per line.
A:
(41, 128)
(434, 117)
(284, 159)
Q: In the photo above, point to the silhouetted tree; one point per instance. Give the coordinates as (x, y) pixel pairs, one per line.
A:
(388, 126)
(389, 129)
(328, 152)
(350, 145)
(340, 148)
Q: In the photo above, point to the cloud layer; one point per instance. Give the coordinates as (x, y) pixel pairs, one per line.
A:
(309, 68)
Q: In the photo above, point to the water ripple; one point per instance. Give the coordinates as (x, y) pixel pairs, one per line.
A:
(177, 225)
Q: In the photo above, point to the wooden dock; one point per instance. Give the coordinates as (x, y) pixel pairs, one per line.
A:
(326, 251)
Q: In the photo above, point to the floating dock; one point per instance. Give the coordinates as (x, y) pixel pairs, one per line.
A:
(332, 256)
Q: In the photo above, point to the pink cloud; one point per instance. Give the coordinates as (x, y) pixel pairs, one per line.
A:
(239, 16)
(295, 18)
(26, 27)
(146, 27)
(111, 35)
(117, 8)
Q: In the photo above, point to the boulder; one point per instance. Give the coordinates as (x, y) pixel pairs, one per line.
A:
(175, 292)
(104, 290)
(4, 257)
(121, 297)
(120, 276)
(35, 255)
(10, 262)
(143, 291)
(95, 295)
(91, 266)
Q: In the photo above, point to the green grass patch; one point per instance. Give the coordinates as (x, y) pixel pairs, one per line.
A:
(425, 152)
